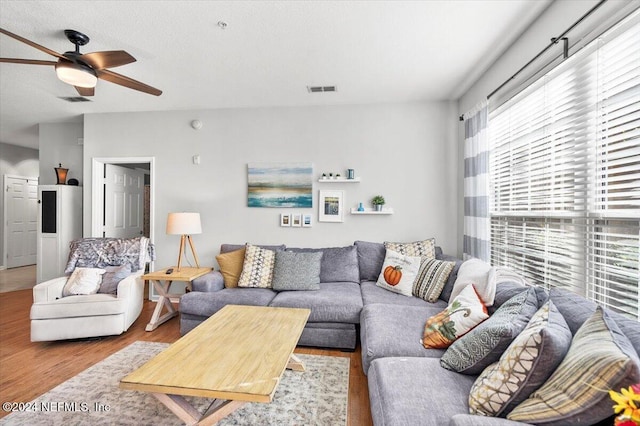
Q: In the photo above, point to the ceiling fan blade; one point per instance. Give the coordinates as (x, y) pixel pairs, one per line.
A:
(85, 91)
(107, 59)
(122, 80)
(27, 61)
(30, 43)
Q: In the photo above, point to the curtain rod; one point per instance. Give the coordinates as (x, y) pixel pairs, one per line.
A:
(554, 41)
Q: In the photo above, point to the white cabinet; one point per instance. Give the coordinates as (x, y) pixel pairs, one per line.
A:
(59, 222)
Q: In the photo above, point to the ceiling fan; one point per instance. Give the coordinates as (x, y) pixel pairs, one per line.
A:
(82, 70)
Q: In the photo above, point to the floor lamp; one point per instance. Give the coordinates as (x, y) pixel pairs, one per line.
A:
(185, 225)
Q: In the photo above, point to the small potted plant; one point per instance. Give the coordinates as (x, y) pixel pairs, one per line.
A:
(378, 202)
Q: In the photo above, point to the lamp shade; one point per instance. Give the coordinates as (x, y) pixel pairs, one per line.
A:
(184, 224)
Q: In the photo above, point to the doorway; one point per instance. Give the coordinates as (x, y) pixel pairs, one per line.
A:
(21, 218)
(123, 197)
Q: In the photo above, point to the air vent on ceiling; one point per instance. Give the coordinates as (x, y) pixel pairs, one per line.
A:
(321, 89)
(74, 99)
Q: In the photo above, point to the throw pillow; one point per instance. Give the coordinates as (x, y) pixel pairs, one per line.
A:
(83, 281)
(112, 277)
(483, 345)
(339, 264)
(398, 273)
(432, 276)
(425, 248)
(481, 275)
(524, 366)
(600, 358)
(257, 268)
(297, 271)
(465, 312)
(231, 266)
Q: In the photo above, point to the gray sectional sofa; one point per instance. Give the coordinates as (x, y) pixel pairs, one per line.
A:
(407, 385)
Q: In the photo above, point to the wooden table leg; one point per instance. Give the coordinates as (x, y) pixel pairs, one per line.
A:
(295, 363)
(188, 414)
(163, 301)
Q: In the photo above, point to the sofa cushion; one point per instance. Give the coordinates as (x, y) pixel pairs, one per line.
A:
(296, 271)
(338, 263)
(83, 281)
(371, 293)
(424, 248)
(524, 366)
(600, 358)
(207, 304)
(463, 314)
(257, 269)
(415, 391)
(448, 287)
(370, 259)
(431, 279)
(225, 248)
(333, 302)
(507, 290)
(576, 310)
(88, 305)
(394, 330)
(112, 277)
(483, 345)
(231, 266)
(399, 273)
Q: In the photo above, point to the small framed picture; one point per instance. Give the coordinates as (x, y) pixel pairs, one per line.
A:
(331, 206)
(296, 219)
(306, 220)
(285, 219)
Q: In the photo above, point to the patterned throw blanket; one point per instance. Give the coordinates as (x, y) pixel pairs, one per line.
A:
(101, 252)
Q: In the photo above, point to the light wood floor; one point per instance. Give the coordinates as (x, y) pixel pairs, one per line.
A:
(17, 278)
(28, 369)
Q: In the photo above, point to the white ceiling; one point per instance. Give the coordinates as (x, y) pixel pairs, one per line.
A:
(373, 51)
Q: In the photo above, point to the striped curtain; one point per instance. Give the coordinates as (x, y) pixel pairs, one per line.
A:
(476, 184)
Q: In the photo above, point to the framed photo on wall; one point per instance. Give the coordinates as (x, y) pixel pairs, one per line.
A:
(285, 219)
(306, 220)
(296, 219)
(331, 206)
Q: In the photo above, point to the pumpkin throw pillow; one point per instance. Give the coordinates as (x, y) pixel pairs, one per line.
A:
(600, 358)
(526, 364)
(257, 269)
(83, 281)
(464, 313)
(231, 266)
(398, 273)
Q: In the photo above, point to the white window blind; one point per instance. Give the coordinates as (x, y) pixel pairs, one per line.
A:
(565, 174)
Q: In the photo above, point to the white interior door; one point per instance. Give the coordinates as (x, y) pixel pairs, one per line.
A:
(21, 201)
(124, 202)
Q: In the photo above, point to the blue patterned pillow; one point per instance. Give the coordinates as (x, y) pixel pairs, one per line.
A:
(484, 345)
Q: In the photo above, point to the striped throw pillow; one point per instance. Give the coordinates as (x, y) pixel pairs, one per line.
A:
(431, 279)
(600, 358)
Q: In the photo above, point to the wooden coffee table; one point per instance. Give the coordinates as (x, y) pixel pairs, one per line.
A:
(236, 356)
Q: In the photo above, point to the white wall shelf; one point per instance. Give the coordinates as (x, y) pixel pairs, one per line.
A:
(339, 180)
(370, 211)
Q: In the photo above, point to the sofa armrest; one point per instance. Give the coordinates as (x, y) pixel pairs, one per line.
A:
(208, 283)
(49, 290)
(473, 420)
(130, 286)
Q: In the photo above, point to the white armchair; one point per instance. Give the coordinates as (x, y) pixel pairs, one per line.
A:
(54, 317)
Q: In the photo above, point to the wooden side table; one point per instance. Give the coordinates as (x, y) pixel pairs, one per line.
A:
(162, 282)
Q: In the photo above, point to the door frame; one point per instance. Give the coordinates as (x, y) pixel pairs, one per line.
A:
(97, 192)
(5, 225)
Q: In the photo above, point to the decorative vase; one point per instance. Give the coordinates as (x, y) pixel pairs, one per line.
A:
(360, 207)
(350, 173)
(378, 207)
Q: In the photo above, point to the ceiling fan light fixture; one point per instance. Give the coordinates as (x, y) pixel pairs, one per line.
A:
(76, 74)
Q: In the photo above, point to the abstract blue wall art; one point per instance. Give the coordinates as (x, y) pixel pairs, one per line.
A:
(280, 185)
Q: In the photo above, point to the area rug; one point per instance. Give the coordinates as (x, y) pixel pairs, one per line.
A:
(317, 396)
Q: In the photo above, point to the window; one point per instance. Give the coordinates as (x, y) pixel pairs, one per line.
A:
(565, 174)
